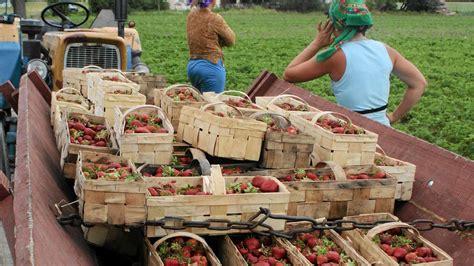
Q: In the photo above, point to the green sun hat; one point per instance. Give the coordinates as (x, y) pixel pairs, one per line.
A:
(349, 16)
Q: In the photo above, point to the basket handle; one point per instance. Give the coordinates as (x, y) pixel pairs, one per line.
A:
(261, 113)
(336, 169)
(122, 130)
(75, 91)
(182, 234)
(387, 226)
(205, 107)
(281, 96)
(191, 87)
(217, 180)
(92, 67)
(122, 84)
(379, 148)
(321, 114)
(139, 169)
(243, 94)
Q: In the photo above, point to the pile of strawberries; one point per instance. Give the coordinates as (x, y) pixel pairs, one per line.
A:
(272, 125)
(144, 123)
(181, 161)
(168, 171)
(374, 175)
(301, 174)
(320, 250)
(226, 171)
(257, 185)
(85, 132)
(182, 94)
(262, 252)
(182, 251)
(241, 103)
(338, 126)
(403, 249)
(108, 170)
(169, 189)
(293, 107)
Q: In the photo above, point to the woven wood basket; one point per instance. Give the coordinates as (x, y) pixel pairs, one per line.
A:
(272, 104)
(151, 148)
(78, 77)
(229, 95)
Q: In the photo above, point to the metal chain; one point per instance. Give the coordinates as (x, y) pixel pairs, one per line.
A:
(256, 224)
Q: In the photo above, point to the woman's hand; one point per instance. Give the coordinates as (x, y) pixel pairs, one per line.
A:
(390, 117)
(324, 37)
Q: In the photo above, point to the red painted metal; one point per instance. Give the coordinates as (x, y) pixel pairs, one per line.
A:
(40, 239)
(7, 89)
(8, 222)
(4, 186)
(41, 86)
(452, 192)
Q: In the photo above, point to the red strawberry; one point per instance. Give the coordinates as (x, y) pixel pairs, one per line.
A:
(101, 144)
(100, 174)
(152, 191)
(243, 251)
(272, 260)
(191, 191)
(312, 258)
(142, 130)
(252, 243)
(269, 186)
(258, 181)
(251, 258)
(99, 127)
(79, 126)
(89, 132)
(146, 174)
(129, 131)
(292, 130)
(243, 186)
(157, 120)
(311, 176)
(379, 175)
(326, 177)
(171, 262)
(187, 172)
(162, 130)
(321, 259)
(114, 165)
(430, 259)
(136, 123)
(338, 130)
(279, 264)
(262, 263)
(424, 252)
(186, 253)
(192, 242)
(410, 257)
(399, 253)
(333, 256)
(363, 176)
(278, 252)
(152, 129)
(88, 137)
(420, 260)
(288, 178)
(312, 242)
(387, 248)
(145, 117)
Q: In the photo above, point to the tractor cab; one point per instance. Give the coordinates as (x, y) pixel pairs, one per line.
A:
(57, 41)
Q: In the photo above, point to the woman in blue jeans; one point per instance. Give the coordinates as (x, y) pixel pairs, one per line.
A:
(207, 33)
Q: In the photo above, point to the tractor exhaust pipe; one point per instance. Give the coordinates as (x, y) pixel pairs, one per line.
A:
(121, 15)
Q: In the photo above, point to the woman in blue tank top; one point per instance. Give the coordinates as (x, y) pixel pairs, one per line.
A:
(359, 68)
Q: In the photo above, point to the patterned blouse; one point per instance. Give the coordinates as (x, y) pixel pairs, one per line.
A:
(207, 34)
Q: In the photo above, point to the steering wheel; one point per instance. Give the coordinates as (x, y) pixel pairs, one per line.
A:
(66, 22)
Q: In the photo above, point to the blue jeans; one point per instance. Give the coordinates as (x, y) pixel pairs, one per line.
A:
(207, 76)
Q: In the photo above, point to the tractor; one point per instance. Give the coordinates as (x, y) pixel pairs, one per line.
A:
(56, 42)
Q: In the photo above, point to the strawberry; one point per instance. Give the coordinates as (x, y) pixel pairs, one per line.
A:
(269, 186)
(258, 181)
(252, 259)
(424, 252)
(288, 178)
(252, 243)
(272, 260)
(279, 264)
(410, 257)
(142, 130)
(99, 127)
(100, 174)
(399, 253)
(333, 256)
(320, 259)
(420, 260)
(79, 126)
(114, 165)
(186, 253)
(172, 262)
(363, 176)
(338, 130)
(292, 130)
(187, 172)
(387, 248)
(312, 176)
(129, 131)
(88, 137)
(262, 263)
(192, 242)
(157, 120)
(278, 252)
(243, 251)
(145, 117)
(243, 186)
(152, 129)
(152, 191)
(312, 242)
(136, 123)
(326, 177)
(101, 144)
(312, 258)
(394, 258)
(430, 259)
(300, 173)
(379, 175)
(161, 130)
(89, 132)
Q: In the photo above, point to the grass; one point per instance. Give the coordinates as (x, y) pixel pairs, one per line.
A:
(441, 47)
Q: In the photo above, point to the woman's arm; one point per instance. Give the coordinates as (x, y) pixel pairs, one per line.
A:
(416, 82)
(225, 33)
(304, 66)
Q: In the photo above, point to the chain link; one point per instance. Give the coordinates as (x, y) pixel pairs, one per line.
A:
(256, 224)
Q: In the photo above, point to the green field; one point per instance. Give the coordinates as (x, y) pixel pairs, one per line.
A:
(441, 46)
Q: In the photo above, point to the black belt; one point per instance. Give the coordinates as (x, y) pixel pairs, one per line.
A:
(381, 108)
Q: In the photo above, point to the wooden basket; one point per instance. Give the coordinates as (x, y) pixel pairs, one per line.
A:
(271, 104)
(106, 100)
(155, 260)
(343, 149)
(110, 202)
(78, 77)
(235, 207)
(404, 172)
(96, 81)
(227, 95)
(152, 148)
(70, 151)
(148, 82)
(332, 235)
(235, 138)
(69, 97)
(334, 199)
(362, 241)
(230, 255)
(173, 108)
(283, 150)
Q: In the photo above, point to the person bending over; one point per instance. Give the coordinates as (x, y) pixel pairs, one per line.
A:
(359, 67)
(207, 33)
